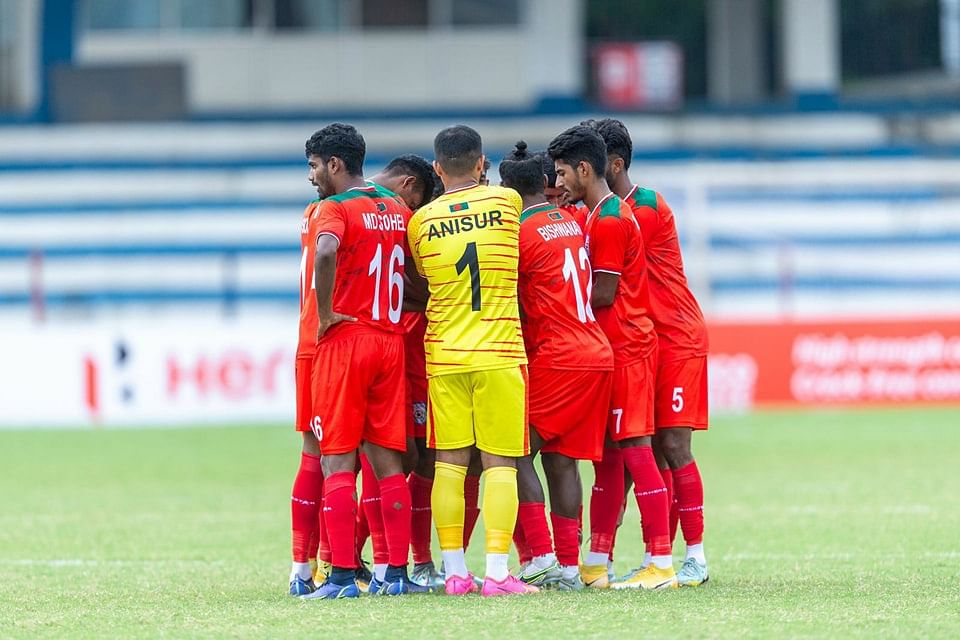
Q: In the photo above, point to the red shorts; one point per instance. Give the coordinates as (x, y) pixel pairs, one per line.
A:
(631, 403)
(682, 394)
(303, 371)
(569, 410)
(416, 370)
(416, 406)
(358, 392)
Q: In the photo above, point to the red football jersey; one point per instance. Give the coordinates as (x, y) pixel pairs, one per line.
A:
(555, 279)
(676, 314)
(370, 224)
(307, 344)
(616, 246)
(579, 213)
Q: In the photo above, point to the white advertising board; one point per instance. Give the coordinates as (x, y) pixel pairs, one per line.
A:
(169, 374)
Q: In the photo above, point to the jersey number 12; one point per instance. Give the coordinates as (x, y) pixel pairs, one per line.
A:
(584, 310)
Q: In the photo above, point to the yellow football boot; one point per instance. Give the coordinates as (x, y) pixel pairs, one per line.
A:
(594, 576)
(649, 578)
(321, 572)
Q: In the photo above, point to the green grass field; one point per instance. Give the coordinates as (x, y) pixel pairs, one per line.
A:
(818, 525)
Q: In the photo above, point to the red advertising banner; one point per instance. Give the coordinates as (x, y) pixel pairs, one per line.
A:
(639, 75)
(834, 363)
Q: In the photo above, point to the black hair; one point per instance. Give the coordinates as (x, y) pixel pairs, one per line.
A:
(580, 144)
(522, 171)
(342, 141)
(438, 188)
(457, 149)
(549, 169)
(615, 136)
(414, 165)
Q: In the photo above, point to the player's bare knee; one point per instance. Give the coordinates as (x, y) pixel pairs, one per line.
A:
(674, 444)
(411, 457)
(426, 460)
(557, 465)
(310, 444)
(337, 463)
(458, 457)
(493, 460)
(385, 462)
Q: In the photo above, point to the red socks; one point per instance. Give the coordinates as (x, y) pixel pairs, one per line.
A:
(689, 492)
(323, 553)
(651, 497)
(420, 516)
(524, 554)
(667, 476)
(533, 520)
(395, 504)
(471, 498)
(565, 536)
(305, 507)
(370, 499)
(340, 517)
(606, 500)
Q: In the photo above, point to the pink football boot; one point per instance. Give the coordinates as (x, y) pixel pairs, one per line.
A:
(457, 586)
(509, 586)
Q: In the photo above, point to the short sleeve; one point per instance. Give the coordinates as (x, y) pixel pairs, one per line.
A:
(649, 221)
(608, 245)
(331, 220)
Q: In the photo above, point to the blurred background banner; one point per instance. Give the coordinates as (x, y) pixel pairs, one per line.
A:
(152, 178)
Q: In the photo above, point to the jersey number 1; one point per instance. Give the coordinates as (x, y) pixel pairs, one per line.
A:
(395, 281)
(469, 260)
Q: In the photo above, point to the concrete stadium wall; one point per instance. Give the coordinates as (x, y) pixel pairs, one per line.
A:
(487, 68)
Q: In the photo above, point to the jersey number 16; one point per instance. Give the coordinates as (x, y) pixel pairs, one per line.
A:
(394, 281)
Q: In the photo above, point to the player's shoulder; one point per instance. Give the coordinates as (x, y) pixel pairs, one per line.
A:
(382, 193)
(613, 208)
(354, 197)
(540, 213)
(505, 193)
(641, 198)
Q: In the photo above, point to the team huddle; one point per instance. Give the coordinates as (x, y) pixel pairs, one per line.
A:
(451, 330)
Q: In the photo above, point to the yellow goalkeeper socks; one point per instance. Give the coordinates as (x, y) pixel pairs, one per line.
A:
(500, 506)
(446, 500)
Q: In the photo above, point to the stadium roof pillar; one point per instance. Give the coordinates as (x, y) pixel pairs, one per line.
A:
(810, 33)
(736, 51)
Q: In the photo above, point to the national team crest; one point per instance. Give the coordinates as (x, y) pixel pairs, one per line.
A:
(419, 413)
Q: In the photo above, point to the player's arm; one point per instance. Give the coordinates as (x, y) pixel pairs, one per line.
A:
(416, 291)
(608, 255)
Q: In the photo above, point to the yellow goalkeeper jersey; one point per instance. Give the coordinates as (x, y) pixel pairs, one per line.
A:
(466, 244)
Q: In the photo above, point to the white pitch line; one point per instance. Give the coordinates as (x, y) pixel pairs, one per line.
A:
(837, 556)
(78, 562)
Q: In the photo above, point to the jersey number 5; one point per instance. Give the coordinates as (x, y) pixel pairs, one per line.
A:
(584, 310)
(394, 281)
(469, 260)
